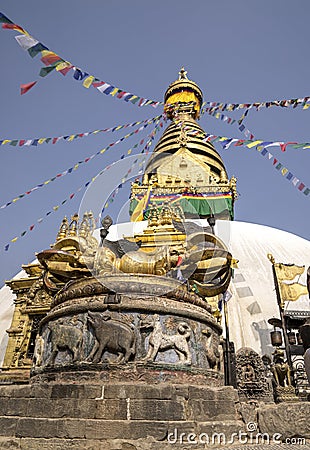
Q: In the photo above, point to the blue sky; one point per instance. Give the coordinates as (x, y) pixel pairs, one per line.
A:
(241, 51)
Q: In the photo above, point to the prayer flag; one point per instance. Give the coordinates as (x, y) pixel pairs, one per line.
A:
(13, 26)
(4, 19)
(26, 87)
(26, 42)
(88, 81)
(33, 51)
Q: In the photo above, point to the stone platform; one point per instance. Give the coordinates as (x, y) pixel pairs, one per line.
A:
(112, 415)
(140, 416)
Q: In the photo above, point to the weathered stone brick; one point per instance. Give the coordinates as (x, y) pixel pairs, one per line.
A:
(156, 409)
(67, 391)
(40, 428)
(203, 410)
(8, 426)
(96, 429)
(110, 409)
(17, 406)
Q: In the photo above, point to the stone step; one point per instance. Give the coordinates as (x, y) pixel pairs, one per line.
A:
(164, 432)
(123, 401)
(12, 443)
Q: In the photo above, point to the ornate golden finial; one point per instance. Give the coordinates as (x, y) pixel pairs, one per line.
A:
(63, 229)
(73, 225)
(84, 226)
(183, 74)
(271, 258)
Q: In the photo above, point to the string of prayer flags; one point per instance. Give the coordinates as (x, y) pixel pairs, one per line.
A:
(52, 61)
(73, 195)
(231, 121)
(75, 167)
(69, 138)
(260, 146)
(145, 150)
(303, 102)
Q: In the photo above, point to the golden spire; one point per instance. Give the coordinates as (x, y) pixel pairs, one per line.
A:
(183, 96)
(183, 74)
(63, 230)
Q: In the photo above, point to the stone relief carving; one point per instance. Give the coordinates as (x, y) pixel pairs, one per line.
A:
(111, 335)
(159, 341)
(251, 375)
(119, 337)
(65, 337)
(38, 350)
(212, 349)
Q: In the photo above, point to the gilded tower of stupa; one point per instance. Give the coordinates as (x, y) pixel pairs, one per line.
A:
(185, 169)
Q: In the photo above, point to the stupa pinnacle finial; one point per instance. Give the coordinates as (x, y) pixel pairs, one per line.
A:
(183, 74)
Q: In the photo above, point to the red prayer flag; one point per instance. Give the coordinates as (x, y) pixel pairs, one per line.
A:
(65, 70)
(301, 186)
(13, 26)
(26, 87)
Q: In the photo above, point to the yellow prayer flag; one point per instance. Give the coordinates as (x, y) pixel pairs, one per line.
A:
(291, 292)
(253, 144)
(40, 141)
(96, 131)
(15, 199)
(70, 138)
(284, 171)
(5, 141)
(115, 90)
(14, 240)
(103, 150)
(129, 151)
(76, 166)
(62, 65)
(288, 271)
(46, 182)
(55, 208)
(88, 81)
(223, 139)
(307, 105)
(137, 214)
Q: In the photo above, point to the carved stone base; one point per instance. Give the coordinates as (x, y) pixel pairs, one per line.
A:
(130, 335)
(153, 373)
